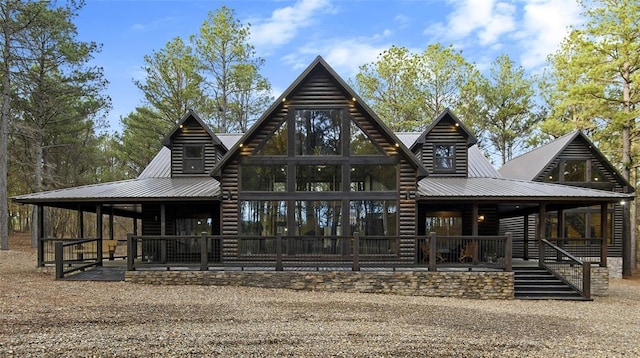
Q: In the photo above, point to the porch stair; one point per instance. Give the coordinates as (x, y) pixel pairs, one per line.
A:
(535, 283)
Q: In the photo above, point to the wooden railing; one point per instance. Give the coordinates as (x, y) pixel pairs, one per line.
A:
(76, 255)
(466, 251)
(570, 269)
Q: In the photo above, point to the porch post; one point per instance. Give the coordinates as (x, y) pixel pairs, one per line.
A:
(99, 234)
(356, 251)
(40, 234)
(626, 241)
(80, 223)
(542, 229)
(433, 249)
(163, 222)
(279, 252)
(474, 220)
(111, 224)
(560, 232)
(135, 226)
(604, 229)
(526, 237)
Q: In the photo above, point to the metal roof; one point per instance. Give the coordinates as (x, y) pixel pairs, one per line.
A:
(134, 190)
(479, 166)
(160, 165)
(407, 138)
(527, 166)
(508, 189)
(229, 139)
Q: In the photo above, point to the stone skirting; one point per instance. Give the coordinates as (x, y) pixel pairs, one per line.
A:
(478, 285)
(599, 281)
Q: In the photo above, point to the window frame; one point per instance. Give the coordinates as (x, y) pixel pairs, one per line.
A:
(437, 168)
(188, 161)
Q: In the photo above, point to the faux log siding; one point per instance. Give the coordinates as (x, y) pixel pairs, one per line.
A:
(192, 135)
(151, 220)
(579, 149)
(321, 90)
(229, 210)
(446, 133)
(515, 225)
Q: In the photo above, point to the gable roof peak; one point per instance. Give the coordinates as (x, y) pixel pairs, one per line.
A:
(447, 113)
(190, 114)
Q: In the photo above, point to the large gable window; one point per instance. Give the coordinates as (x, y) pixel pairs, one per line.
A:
(576, 171)
(444, 156)
(318, 131)
(193, 159)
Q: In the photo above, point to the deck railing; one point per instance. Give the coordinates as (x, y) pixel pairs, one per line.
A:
(466, 251)
(76, 255)
(570, 269)
(171, 251)
(593, 250)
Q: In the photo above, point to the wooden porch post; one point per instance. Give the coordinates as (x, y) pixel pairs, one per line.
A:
(604, 229)
(111, 235)
(526, 237)
(80, 222)
(542, 229)
(163, 233)
(135, 226)
(356, 251)
(40, 233)
(433, 249)
(474, 216)
(560, 232)
(626, 241)
(99, 233)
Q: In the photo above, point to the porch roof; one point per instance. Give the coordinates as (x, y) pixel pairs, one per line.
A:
(505, 189)
(131, 191)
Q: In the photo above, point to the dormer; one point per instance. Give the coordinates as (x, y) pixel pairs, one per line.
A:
(443, 146)
(195, 149)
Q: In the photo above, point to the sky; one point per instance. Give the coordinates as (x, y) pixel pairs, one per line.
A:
(288, 35)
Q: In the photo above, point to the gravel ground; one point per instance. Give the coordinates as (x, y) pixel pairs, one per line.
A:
(43, 317)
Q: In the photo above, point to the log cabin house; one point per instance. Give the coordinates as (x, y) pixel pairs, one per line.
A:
(320, 181)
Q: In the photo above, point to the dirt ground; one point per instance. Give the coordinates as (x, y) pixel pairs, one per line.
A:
(43, 317)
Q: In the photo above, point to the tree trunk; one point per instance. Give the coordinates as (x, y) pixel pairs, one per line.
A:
(4, 130)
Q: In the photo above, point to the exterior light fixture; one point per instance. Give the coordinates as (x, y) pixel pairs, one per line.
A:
(240, 145)
(457, 124)
(622, 202)
(480, 218)
(397, 145)
(353, 99)
(284, 99)
(181, 125)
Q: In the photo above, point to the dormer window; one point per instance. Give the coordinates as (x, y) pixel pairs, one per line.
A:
(444, 157)
(193, 159)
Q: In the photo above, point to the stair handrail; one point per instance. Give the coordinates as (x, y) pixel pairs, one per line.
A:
(579, 280)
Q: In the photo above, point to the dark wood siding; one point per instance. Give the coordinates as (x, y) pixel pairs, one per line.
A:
(445, 132)
(579, 149)
(192, 134)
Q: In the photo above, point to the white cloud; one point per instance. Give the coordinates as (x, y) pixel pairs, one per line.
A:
(284, 24)
(165, 22)
(485, 19)
(545, 24)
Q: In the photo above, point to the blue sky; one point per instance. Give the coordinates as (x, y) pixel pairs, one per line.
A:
(288, 35)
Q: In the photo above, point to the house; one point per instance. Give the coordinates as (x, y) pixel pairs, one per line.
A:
(320, 180)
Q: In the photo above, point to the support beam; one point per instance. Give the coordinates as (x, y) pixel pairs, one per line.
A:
(39, 234)
(474, 219)
(99, 234)
(604, 231)
(542, 229)
(526, 237)
(111, 234)
(80, 223)
(163, 220)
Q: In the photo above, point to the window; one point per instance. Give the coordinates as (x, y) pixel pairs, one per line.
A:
(318, 178)
(444, 157)
(263, 178)
(373, 177)
(361, 144)
(374, 217)
(575, 171)
(318, 132)
(263, 217)
(193, 159)
(276, 144)
(318, 218)
(444, 223)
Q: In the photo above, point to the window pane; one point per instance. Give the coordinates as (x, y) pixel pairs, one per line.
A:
(575, 225)
(263, 178)
(554, 175)
(575, 171)
(443, 156)
(373, 177)
(318, 178)
(444, 223)
(318, 218)
(263, 217)
(361, 144)
(318, 132)
(276, 143)
(373, 217)
(192, 151)
(193, 159)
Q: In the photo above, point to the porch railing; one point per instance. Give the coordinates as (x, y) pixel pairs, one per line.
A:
(593, 250)
(570, 269)
(466, 251)
(76, 255)
(171, 251)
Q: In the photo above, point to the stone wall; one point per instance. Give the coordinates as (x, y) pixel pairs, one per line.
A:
(615, 267)
(478, 285)
(599, 281)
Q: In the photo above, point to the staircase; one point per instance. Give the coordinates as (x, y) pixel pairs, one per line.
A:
(535, 283)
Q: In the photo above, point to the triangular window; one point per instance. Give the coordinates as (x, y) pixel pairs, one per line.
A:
(276, 143)
(361, 144)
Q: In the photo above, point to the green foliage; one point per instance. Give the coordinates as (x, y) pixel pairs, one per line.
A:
(231, 71)
(409, 90)
(593, 80)
(508, 114)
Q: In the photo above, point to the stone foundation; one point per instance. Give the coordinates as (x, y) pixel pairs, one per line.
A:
(615, 267)
(599, 281)
(477, 285)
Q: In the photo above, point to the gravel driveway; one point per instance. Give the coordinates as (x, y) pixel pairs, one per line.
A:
(43, 317)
